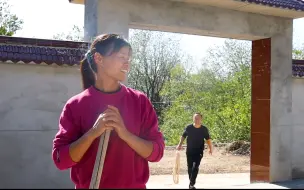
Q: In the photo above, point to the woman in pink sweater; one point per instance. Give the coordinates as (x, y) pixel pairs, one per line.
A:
(134, 139)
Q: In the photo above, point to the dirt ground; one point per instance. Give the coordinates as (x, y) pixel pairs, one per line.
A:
(219, 162)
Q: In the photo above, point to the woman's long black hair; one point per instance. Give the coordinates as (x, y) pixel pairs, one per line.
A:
(106, 45)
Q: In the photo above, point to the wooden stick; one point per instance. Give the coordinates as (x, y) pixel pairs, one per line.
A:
(100, 158)
(176, 168)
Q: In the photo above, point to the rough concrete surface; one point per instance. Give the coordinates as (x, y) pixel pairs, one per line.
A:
(220, 181)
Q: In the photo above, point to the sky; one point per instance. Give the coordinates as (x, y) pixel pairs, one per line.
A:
(45, 18)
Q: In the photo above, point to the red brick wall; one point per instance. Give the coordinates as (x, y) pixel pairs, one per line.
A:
(260, 113)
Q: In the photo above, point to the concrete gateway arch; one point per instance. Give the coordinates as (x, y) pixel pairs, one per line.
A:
(276, 129)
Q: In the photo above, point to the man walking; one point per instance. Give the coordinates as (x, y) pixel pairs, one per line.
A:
(195, 134)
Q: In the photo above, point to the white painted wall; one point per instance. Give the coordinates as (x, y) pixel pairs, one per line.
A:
(31, 100)
(298, 128)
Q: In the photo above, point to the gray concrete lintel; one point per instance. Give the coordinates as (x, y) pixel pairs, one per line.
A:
(170, 16)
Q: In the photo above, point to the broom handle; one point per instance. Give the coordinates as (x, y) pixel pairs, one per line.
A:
(100, 158)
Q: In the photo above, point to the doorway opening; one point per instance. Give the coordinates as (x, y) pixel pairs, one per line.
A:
(184, 74)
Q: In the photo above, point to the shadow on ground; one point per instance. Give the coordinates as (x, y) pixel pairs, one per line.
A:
(295, 184)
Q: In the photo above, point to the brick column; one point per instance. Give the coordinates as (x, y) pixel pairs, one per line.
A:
(260, 111)
(272, 119)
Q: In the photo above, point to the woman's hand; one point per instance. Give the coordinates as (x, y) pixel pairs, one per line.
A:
(113, 119)
(179, 147)
(99, 127)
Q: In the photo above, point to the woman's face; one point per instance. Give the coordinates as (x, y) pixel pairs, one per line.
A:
(115, 66)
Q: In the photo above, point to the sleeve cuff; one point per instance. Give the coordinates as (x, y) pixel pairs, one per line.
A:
(63, 157)
(155, 153)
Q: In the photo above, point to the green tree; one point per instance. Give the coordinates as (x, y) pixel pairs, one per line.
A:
(298, 53)
(154, 55)
(221, 91)
(9, 23)
(76, 34)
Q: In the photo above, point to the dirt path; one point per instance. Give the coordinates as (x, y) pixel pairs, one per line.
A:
(219, 162)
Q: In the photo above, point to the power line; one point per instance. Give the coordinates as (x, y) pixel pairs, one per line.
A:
(183, 101)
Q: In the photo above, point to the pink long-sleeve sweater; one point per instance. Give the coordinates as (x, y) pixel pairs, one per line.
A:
(123, 167)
